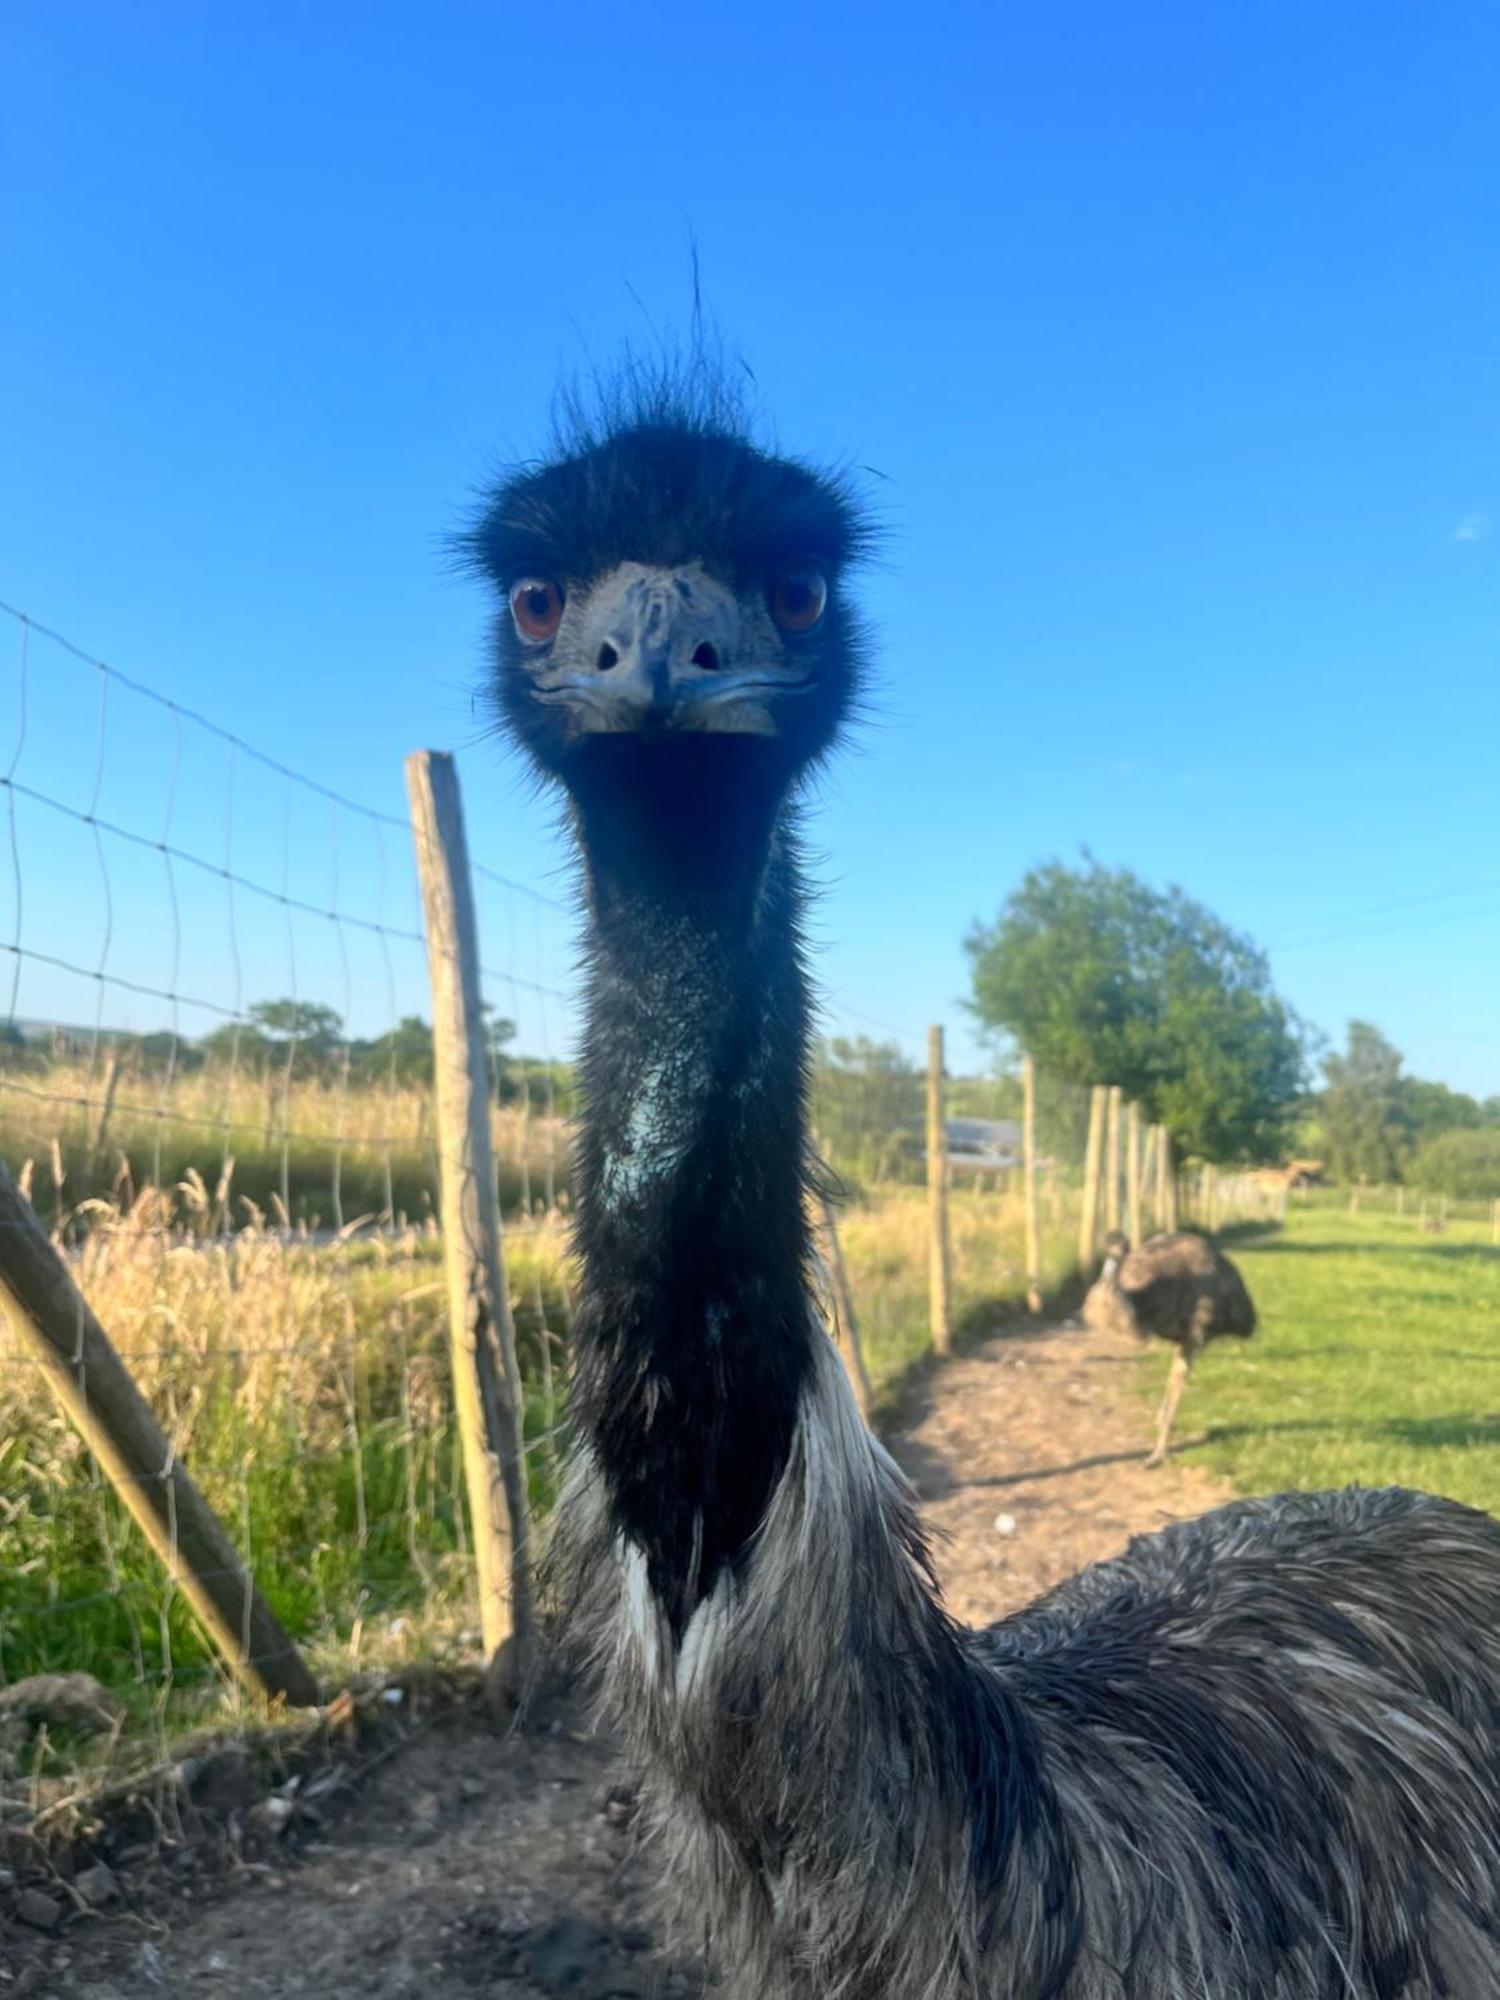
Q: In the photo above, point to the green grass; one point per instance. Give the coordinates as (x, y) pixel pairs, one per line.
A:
(307, 1388)
(1377, 1360)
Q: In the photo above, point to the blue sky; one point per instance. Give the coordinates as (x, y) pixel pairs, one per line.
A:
(1173, 333)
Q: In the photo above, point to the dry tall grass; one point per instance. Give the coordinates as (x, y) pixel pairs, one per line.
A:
(328, 1149)
(306, 1385)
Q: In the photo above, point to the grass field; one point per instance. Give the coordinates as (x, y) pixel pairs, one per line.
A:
(306, 1384)
(1377, 1360)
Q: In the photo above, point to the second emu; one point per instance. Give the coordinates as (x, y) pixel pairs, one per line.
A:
(1177, 1288)
(1255, 1758)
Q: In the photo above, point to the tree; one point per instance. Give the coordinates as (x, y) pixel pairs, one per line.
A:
(1433, 1109)
(1465, 1164)
(301, 1030)
(236, 1045)
(402, 1055)
(1107, 980)
(1367, 1118)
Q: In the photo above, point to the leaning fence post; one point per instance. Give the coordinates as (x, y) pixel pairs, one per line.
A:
(486, 1378)
(846, 1320)
(1028, 1155)
(96, 1389)
(939, 1303)
(1088, 1225)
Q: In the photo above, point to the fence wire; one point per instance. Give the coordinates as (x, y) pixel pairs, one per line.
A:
(215, 1087)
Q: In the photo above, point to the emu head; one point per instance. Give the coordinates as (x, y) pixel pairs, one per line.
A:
(673, 597)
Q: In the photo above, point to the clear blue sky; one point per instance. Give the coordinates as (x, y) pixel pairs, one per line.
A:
(1174, 332)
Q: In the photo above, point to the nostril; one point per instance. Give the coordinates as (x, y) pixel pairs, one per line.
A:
(707, 657)
(608, 658)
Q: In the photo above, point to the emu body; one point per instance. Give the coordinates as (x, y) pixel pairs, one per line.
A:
(1177, 1288)
(1256, 1758)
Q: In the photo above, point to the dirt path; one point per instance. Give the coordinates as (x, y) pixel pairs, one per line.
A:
(471, 1865)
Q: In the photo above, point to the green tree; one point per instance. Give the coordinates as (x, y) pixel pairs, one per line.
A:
(1367, 1118)
(404, 1053)
(236, 1044)
(1465, 1164)
(1107, 980)
(1434, 1109)
(301, 1031)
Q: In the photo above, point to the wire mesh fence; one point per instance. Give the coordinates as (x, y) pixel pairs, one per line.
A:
(217, 1092)
(216, 1089)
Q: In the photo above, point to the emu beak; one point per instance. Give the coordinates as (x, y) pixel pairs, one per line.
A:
(662, 650)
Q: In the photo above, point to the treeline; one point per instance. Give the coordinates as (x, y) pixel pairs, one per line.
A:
(288, 1041)
(1372, 1122)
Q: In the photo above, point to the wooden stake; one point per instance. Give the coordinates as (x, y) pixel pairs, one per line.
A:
(1112, 1161)
(1133, 1173)
(99, 1144)
(482, 1339)
(1088, 1226)
(96, 1390)
(1028, 1156)
(938, 1274)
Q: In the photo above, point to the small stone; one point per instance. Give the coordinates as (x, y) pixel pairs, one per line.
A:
(37, 1908)
(472, 1788)
(427, 1809)
(97, 1886)
(1005, 1524)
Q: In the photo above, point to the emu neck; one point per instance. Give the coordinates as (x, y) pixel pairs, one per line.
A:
(693, 1334)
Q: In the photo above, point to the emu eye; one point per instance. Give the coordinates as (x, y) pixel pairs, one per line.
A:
(798, 598)
(536, 604)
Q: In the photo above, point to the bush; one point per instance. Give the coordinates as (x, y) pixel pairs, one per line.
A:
(1465, 1165)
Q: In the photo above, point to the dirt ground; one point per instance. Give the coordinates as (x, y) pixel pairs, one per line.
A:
(470, 1863)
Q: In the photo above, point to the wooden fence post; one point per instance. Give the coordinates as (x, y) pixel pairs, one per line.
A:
(1133, 1173)
(1088, 1226)
(482, 1340)
(938, 1274)
(1028, 1156)
(97, 1391)
(99, 1139)
(1112, 1161)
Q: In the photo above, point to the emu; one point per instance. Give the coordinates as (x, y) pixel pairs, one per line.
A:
(1179, 1288)
(1257, 1757)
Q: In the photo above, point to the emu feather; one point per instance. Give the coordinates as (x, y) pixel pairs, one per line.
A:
(1256, 1758)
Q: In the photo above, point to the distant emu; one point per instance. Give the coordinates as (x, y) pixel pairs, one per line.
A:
(1177, 1288)
(1255, 1758)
